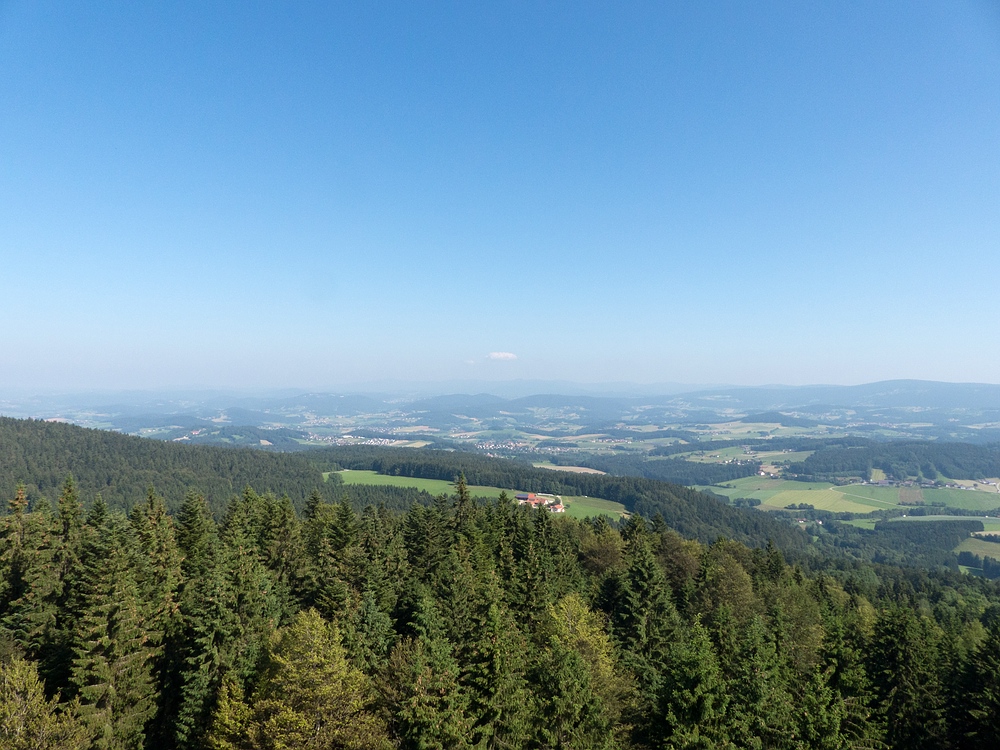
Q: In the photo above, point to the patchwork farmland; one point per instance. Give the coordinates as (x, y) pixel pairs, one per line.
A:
(776, 493)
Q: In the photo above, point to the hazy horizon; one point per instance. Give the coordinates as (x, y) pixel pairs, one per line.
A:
(511, 389)
(264, 196)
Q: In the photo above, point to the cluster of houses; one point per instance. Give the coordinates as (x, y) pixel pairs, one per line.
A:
(549, 502)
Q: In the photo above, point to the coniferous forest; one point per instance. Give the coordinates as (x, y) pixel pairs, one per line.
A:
(398, 620)
(467, 624)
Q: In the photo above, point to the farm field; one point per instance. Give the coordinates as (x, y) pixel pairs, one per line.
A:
(780, 493)
(433, 486)
(826, 499)
(782, 456)
(853, 498)
(704, 453)
(863, 523)
(571, 469)
(580, 506)
(967, 499)
(990, 523)
(577, 506)
(979, 547)
(759, 488)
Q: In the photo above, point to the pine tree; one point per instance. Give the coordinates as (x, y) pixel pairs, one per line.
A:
(201, 654)
(383, 562)
(427, 540)
(281, 549)
(844, 671)
(159, 574)
(327, 535)
(70, 522)
(532, 592)
(644, 622)
(576, 627)
(313, 502)
(459, 594)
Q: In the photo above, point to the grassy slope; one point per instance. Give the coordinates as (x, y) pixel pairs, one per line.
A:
(577, 506)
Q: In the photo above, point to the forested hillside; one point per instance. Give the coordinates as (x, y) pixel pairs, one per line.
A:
(464, 625)
(122, 467)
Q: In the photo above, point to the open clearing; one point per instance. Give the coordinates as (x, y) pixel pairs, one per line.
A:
(577, 506)
(433, 486)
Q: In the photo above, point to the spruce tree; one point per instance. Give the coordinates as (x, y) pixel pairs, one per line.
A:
(904, 668)
(228, 616)
(368, 635)
(569, 713)
(29, 583)
(494, 676)
(310, 697)
(693, 696)
(983, 700)
(159, 579)
(196, 536)
(644, 622)
(421, 684)
(111, 671)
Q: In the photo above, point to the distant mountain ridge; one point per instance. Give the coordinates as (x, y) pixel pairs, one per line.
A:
(887, 393)
(925, 409)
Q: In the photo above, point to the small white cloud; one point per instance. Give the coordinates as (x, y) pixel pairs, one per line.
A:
(501, 355)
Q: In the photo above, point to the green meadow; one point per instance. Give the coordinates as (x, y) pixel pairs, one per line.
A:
(979, 547)
(577, 506)
(432, 486)
(581, 506)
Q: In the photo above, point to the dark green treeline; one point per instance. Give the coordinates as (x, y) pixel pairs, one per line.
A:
(121, 467)
(466, 625)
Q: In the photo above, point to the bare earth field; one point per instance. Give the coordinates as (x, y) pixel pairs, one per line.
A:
(571, 469)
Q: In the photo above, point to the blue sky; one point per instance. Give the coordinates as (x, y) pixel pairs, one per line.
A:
(313, 194)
